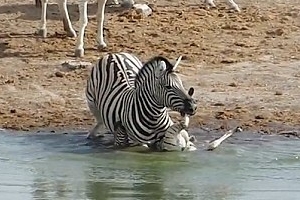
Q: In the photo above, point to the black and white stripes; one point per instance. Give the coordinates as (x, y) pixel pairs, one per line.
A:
(120, 90)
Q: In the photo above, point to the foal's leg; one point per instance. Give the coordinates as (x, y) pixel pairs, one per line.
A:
(83, 20)
(43, 29)
(62, 4)
(100, 22)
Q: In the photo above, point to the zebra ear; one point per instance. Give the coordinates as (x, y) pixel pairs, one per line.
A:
(162, 66)
(177, 62)
(191, 91)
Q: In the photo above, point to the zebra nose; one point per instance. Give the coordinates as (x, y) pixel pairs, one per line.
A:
(190, 106)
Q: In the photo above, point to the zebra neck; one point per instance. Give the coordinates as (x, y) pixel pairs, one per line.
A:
(146, 102)
(146, 119)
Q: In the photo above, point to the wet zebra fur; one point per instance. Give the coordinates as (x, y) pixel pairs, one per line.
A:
(121, 91)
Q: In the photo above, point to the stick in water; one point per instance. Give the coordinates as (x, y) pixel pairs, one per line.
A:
(215, 143)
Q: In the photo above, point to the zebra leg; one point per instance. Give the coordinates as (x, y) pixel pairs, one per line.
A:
(100, 23)
(38, 3)
(93, 133)
(83, 20)
(43, 29)
(210, 3)
(233, 5)
(99, 126)
(120, 136)
(62, 4)
(216, 142)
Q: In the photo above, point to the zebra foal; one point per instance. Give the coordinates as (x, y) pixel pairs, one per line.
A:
(123, 94)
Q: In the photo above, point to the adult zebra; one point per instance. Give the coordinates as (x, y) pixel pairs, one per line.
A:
(120, 90)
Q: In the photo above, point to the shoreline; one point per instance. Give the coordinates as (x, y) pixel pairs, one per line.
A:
(244, 66)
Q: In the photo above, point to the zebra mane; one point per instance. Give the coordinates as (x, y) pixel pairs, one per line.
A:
(152, 63)
(156, 59)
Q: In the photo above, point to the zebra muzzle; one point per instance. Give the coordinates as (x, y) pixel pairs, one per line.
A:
(190, 107)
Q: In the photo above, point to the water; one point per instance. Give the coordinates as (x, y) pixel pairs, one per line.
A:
(58, 166)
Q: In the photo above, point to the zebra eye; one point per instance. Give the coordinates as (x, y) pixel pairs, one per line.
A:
(168, 87)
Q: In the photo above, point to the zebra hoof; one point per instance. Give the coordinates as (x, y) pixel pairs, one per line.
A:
(210, 4)
(79, 52)
(102, 46)
(42, 32)
(237, 9)
(71, 33)
(192, 138)
(93, 136)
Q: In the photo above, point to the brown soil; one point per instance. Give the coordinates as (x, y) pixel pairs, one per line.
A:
(245, 67)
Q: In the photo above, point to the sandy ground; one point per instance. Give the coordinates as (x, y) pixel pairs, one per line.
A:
(245, 67)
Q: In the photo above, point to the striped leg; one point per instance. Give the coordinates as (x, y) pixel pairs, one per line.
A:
(62, 4)
(120, 136)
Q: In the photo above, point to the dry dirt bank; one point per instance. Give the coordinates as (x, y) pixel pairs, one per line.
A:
(245, 67)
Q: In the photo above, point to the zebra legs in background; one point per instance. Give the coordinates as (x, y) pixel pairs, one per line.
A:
(83, 20)
(62, 4)
(231, 3)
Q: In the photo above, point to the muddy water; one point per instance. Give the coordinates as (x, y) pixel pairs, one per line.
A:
(66, 166)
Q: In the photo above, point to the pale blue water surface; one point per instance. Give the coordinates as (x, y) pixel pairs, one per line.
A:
(67, 166)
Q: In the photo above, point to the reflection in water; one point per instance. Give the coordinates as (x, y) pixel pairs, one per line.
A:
(46, 189)
(67, 167)
(128, 175)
